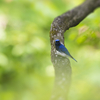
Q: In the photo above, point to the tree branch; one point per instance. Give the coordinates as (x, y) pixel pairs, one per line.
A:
(58, 27)
(75, 16)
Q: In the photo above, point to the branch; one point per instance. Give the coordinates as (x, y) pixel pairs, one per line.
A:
(74, 16)
(58, 27)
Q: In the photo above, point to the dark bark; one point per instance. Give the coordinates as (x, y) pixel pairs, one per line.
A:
(62, 65)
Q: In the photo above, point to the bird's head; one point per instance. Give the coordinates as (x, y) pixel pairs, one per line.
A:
(57, 42)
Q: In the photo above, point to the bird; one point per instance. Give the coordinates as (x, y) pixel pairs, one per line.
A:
(62, 50)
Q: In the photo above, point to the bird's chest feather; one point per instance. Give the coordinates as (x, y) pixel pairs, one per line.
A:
(61, 54)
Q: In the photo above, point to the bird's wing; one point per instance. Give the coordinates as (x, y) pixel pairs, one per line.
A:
(63, 49)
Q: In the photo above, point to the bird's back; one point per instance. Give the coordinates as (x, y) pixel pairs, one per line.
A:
(63, 49)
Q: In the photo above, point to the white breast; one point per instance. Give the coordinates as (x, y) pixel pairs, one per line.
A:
(61, 54)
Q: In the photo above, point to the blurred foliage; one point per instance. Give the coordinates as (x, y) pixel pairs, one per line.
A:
(26, 71)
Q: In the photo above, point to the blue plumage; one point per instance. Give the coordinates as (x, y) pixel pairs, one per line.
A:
(62, 49)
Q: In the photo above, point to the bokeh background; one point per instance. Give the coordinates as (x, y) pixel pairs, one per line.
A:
(26, 71)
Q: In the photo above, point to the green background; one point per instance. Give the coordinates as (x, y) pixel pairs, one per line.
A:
(26, 71)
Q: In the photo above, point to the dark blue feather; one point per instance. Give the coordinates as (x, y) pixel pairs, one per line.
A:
(61, 48)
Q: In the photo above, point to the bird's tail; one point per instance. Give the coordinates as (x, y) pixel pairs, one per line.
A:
(73, 58)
